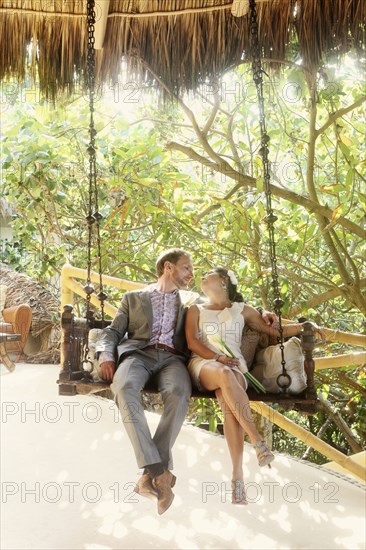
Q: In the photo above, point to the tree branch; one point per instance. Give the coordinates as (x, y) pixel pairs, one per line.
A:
(189, 113)
(341, 424)
(325, 297)
(212, 116)
(248, 181)
(337, 114)
(345, 379)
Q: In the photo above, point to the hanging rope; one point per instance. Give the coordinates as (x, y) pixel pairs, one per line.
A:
(283, 380)
(93, 217)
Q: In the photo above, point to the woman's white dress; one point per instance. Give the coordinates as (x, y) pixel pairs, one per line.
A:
(227, 325)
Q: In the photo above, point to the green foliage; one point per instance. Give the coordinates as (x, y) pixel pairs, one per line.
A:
(162, 184)
(152, 198)
(205, 412)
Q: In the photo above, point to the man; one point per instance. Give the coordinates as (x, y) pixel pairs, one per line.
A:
(153, 319)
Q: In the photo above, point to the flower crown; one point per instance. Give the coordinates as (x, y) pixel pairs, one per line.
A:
(233, 279)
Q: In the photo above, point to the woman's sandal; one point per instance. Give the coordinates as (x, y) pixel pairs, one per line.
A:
(264, 455)
(238, 495)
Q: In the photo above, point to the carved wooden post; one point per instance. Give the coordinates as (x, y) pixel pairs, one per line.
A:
(72, 342)
(67, 318)
(308, 341)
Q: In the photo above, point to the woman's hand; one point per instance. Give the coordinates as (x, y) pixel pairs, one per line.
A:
(228, 361)
(317, 330)
(321, 333)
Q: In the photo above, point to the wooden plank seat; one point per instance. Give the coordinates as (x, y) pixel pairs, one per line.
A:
(303, 402)
(75, 379)
(4, 357)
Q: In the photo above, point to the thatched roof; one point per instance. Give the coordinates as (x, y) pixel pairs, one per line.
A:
(183, 42)
(22, 289)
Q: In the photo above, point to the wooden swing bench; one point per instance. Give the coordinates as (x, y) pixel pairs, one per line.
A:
(75, 380)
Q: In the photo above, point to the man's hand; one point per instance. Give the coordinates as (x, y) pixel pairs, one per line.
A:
(270, 318)
(107, 370)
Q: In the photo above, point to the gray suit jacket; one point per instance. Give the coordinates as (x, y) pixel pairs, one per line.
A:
(134, 320)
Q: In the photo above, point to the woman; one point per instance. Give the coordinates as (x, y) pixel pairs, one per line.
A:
(222, 317)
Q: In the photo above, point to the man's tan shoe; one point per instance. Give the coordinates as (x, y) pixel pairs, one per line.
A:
(144, 487)
(163, 486)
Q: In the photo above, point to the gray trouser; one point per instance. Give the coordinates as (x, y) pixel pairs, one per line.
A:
(173, 382)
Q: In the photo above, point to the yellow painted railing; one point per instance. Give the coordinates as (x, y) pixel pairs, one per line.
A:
(347, 462)
(69, 287)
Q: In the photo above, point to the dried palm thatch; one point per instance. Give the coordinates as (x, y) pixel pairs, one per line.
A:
(48, 357)
(21, 289)
(184, 42)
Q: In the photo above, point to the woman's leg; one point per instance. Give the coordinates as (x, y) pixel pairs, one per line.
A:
(214, 376)
(234, 435)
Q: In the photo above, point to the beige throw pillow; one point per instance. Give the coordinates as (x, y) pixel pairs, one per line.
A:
(94, 336)
(267, 366)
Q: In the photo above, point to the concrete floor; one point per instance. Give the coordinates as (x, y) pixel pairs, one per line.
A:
(68, 473)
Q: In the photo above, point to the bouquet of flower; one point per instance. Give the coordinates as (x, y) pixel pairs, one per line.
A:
(221, 346)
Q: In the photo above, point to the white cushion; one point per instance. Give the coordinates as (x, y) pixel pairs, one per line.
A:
(94, 335)
(267, 366)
